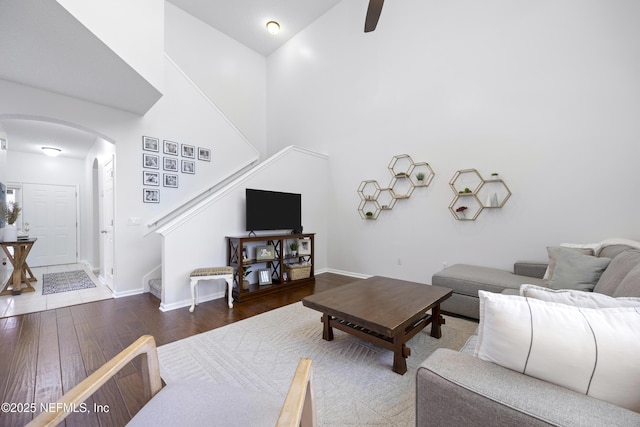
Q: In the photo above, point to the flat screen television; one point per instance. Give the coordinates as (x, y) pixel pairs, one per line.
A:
(273, 210)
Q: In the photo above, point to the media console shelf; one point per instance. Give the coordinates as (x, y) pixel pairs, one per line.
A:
(241, 254)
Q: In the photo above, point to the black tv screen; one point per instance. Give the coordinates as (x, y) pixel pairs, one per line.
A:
(273, 210)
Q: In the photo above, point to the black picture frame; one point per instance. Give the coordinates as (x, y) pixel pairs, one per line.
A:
(150, 143)
(170, 180)
(170, 148)
(204, 154)
(188, 151)
(188, 166)
(150, 161)
(150, 178)
(151, 195)
(170, 164)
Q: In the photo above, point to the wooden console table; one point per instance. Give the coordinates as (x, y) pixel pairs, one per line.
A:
(22, 274)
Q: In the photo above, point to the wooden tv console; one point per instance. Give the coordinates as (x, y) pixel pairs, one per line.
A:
(241, 255)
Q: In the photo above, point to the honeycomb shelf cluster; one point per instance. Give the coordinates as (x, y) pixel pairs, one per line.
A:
(406, 176)
(473, 194)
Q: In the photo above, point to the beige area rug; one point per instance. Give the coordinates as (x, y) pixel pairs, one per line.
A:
(354, 383)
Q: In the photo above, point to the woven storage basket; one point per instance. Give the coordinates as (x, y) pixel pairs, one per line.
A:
(297, 272)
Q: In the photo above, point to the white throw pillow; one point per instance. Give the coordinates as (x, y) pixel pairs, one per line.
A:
(591, 351)
(577, 298)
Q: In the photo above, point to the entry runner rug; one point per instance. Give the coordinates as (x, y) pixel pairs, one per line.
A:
(354, 383)
(53, 283)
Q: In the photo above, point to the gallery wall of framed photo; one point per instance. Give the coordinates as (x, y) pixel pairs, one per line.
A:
(162, 164)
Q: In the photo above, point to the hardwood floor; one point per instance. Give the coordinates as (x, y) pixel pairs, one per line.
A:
(44, 354)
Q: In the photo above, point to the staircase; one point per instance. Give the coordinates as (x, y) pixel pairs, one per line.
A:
(155, 287)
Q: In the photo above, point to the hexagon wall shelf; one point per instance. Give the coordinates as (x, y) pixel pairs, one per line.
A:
(475, 194)
(406, 176)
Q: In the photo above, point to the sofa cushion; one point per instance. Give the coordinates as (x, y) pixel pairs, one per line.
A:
(554, 252)
(468, 279)
(575, 270)
(217, 404)
(590, 351)
(617, 270)
(630, 285)
(577, 298)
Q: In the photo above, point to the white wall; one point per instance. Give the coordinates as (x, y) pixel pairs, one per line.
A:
(100, 153)
(134, 30)
(230, 74)
(224, 215)
(40, 169)
(546, 93)
(182, 115)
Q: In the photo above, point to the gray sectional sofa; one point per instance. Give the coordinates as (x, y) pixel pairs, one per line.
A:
(456, 388)
(466, 280)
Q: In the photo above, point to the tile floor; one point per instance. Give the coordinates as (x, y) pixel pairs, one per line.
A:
(31, 302)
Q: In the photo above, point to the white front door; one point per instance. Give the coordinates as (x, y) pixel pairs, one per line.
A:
(106, 270)
(50, 214)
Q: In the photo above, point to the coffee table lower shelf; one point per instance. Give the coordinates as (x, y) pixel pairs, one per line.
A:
(395, 343)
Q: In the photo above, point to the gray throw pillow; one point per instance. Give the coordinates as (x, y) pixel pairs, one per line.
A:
(577, 271)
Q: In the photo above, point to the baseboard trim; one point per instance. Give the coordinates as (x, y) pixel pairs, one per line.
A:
(348, 273)
(187, 303)
(128, 293)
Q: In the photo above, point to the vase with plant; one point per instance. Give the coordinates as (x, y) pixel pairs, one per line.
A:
(293, 247)
(10, 214)
(246, 269)
(420, 177)
(461, 211)
(369, 215)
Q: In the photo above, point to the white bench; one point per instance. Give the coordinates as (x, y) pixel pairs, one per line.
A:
(209, 273)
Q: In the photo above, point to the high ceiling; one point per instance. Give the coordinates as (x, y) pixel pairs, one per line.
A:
(244, 20)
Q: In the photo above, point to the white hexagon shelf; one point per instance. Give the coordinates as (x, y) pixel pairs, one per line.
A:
(494, 193)
(466, 208)
(369, 209)
(405, 177)
(401, 166)
(466, 181)
(473, 194)
(386, 199)
(369, 190)
(401, 187)
(422, 174)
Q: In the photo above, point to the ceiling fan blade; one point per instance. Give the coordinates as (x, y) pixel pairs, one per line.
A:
(373, 14)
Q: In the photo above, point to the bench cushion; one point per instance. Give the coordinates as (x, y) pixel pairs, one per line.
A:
(211, 271)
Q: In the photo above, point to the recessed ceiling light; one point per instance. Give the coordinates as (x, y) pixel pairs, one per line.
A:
(273, 27)
(51, 151)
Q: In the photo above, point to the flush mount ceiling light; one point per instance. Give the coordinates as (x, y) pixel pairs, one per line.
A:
(273, 27)
(51, 151)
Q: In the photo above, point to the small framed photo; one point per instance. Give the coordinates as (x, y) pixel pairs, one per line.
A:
(265, 253)
(150, 195)
(170, 180)
(188, 166)
(188, 151)
(150, 144)
(304, 246)
(264, 277)
(170, 164)
(170, 147)
(150, 161)
(204, 154)
(150, 178)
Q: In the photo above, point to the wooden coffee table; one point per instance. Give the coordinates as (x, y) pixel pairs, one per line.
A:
(386, 312)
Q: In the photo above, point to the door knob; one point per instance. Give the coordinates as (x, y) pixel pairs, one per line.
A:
(103, 231)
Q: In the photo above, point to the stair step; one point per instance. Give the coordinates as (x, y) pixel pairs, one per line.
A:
(155, 287)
